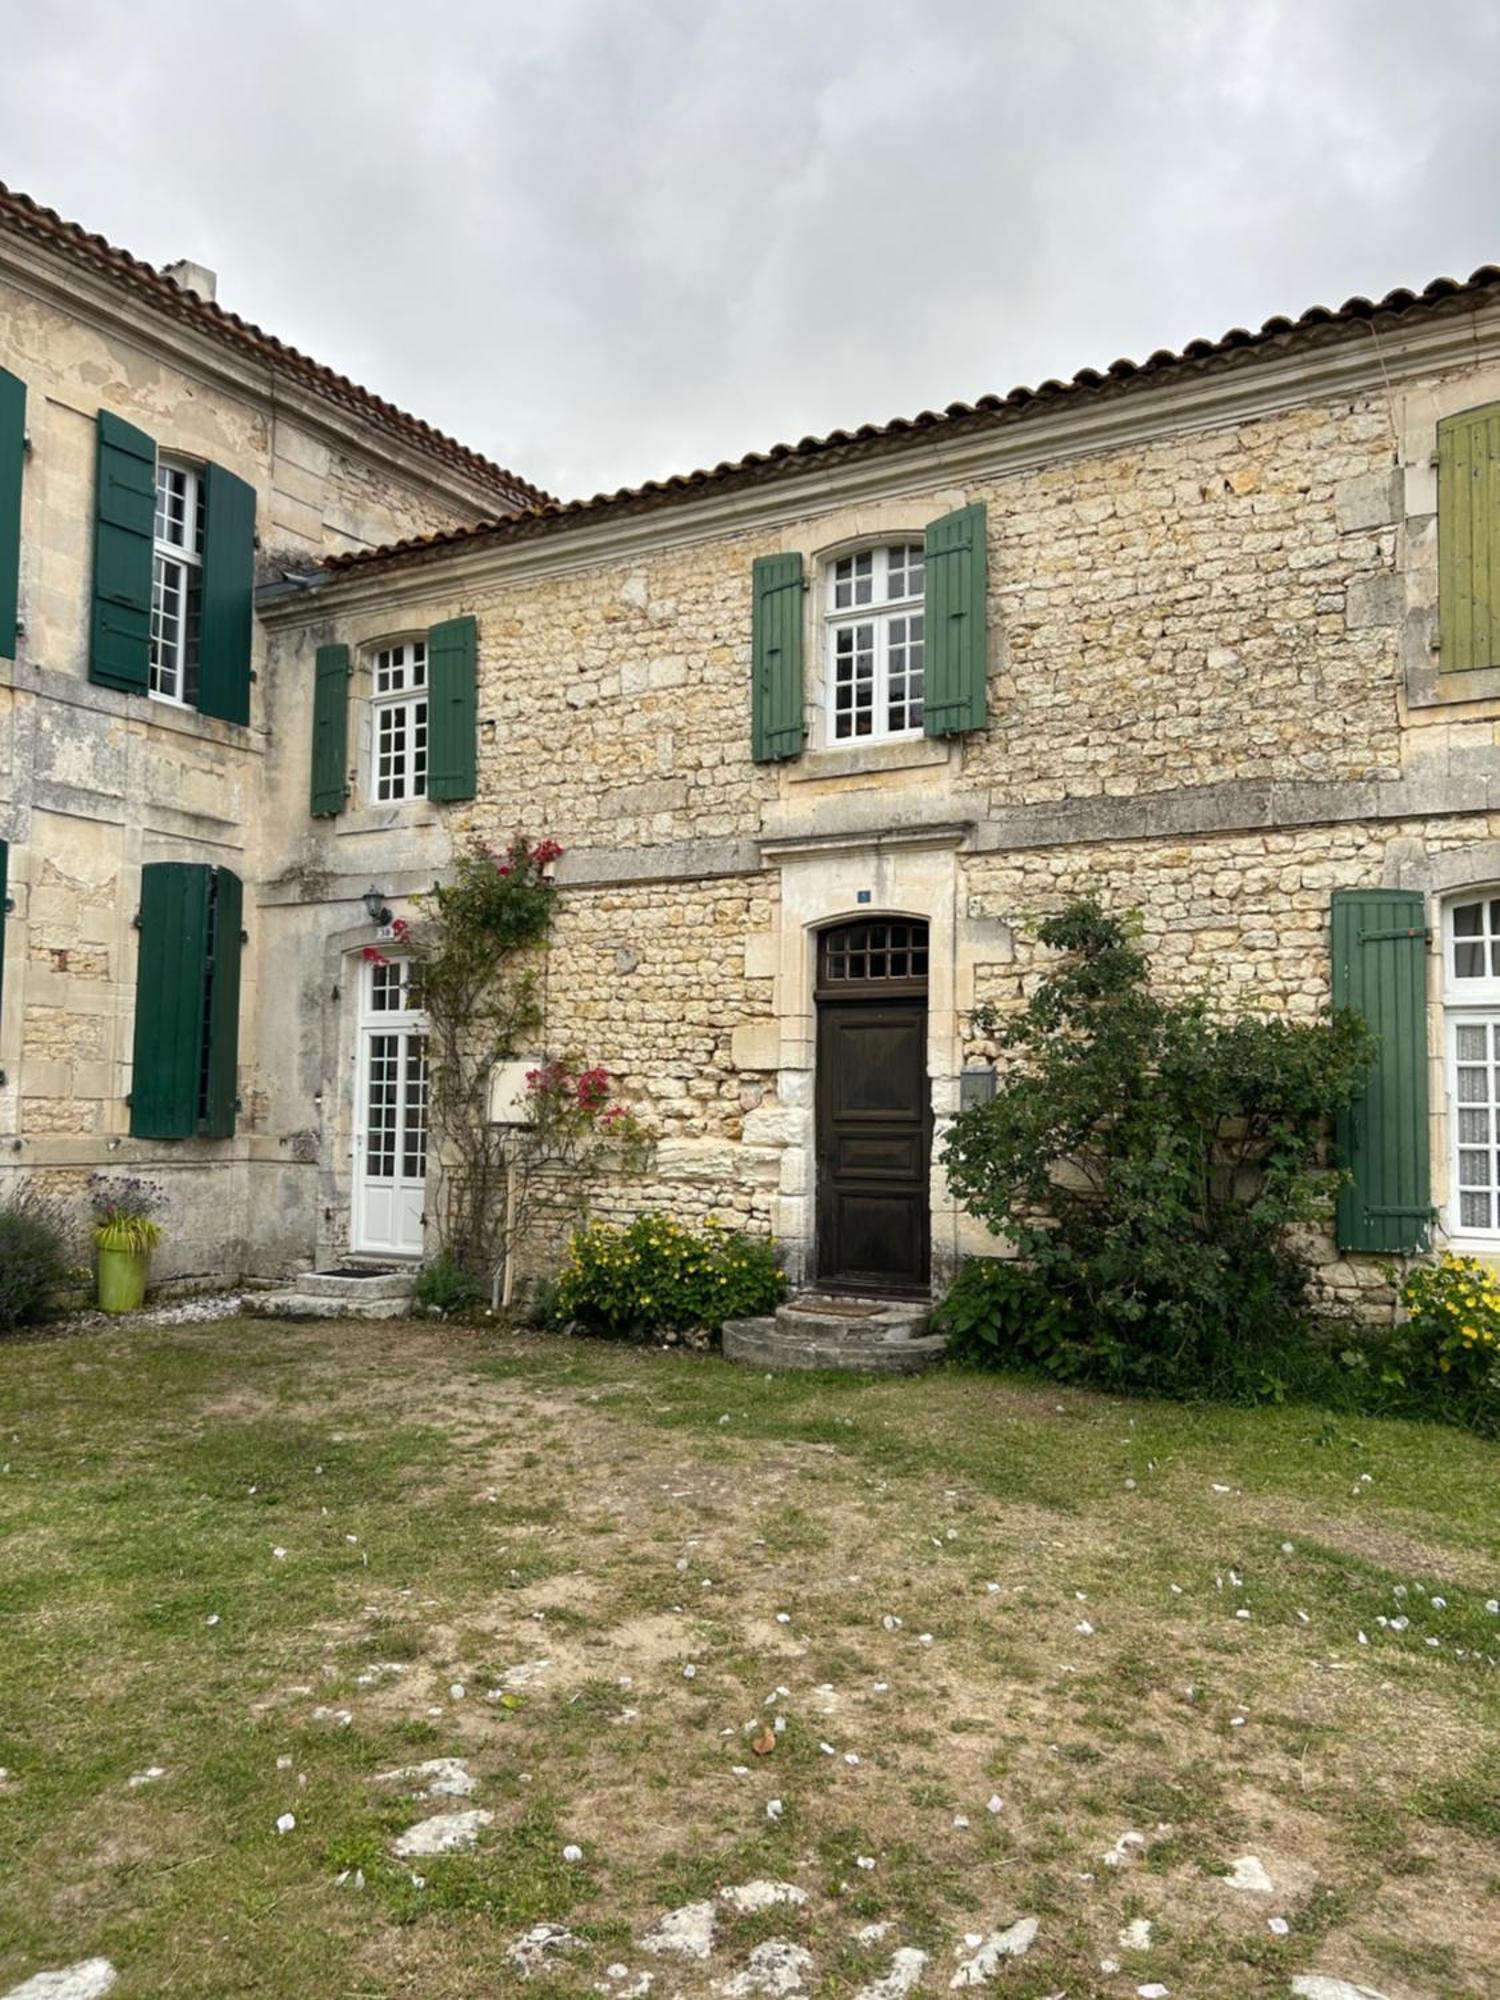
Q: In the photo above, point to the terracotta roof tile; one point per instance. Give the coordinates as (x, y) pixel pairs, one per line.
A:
(29, 218)
(1234, 348)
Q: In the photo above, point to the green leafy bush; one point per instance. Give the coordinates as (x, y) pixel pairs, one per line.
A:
(34, 1256)
(443, 1285)
(659, 1276)
(1153, 1164)
(1000, 1314)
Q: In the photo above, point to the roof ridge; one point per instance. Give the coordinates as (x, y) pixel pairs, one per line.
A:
(32, 218)
(1120, 376)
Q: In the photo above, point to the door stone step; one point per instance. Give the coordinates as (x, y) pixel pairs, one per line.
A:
(814, 1330)
(338, 1295)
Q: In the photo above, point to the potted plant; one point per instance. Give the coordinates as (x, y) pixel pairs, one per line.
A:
(125, 1233)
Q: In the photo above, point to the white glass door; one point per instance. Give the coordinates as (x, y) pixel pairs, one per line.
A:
(390, 1147)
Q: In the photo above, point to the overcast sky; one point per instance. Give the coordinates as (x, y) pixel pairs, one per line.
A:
(603, 240)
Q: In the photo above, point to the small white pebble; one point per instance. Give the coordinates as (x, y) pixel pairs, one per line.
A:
(1439, 1603)
(1153, 1990)
(1492, 1605)
(1277, 1926)
(572, 1852)
(991, 1588)
(865, 1861)
(689, 1673)
(924, 1638)
(1130, 1486)
(280, 1554)
(1242, 1613)
(851, 1757)
(960, 1819)
(456, 1691)
(827, 1749)
(212, 1618)
(1176, 1589)
(774, 1808)
(740, 1770)
(882, 1687)
(1303, 1619)
(994, 1803)
(783, 1618)
(1287, 1549)
(283, 1763)
(1220, 1489)
(1085, 1628)
(286, 1823)
(891, 1623)
(1236, 1721)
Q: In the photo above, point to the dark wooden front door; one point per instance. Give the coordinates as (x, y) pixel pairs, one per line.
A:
(873, 1108)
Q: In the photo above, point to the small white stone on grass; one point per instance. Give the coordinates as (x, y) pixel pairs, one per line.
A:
(283, 1763)
(1085, 1628)
(528, 1952)
(907, 1967)
(686, 1933)
(985, 1963)
(1153, 1990)
(1136, 1936)
(777, 1969)
(444, 1833)
(689, 1673)
(1123, 1848)
(1320, 1986)
(1277, 1926)
(279, 1553)
(960, 1819)
(457, 1691)
(287, 1823)
(865, 1861)
(924, 1638)
(851, 1757)
(151, 1774)
(1247, 1873)
(212, 1618)
(572, 1852)
(994, 1803)
(774, 1808)
(1109, 1965)
(872, 1933)
(89, 1979)
(437, 1778)
(783, 1618)
(761, 1894)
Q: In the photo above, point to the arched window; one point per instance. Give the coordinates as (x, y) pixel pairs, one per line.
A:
(876, 643)
(1471, 992)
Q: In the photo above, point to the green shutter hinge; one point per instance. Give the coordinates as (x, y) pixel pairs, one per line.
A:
(244, 937)
(135, 921)
(1423, 931)
(7, 908)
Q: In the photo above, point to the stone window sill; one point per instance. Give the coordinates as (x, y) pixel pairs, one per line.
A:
(402, 818)
(1429, 687)
(858, 760)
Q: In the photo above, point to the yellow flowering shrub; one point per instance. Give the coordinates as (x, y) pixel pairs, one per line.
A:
(1452, 1325)
(659, 1276)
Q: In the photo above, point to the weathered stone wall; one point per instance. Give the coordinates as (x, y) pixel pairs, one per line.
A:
(93, 784)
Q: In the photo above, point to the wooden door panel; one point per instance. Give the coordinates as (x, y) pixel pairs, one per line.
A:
(874, 1144)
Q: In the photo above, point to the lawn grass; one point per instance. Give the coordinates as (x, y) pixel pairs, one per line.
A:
(452, 1505)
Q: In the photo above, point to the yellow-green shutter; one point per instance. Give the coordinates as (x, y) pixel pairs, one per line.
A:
(1380, 972)
(956, 628)
(225, 626)
(1469, 540)
(452, 719)
(778, 726)
(124, 518)
(171, 993)
(12, 466)
(330, 732)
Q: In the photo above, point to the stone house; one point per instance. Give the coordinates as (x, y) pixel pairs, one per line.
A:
(158, 457)
(1216, 636)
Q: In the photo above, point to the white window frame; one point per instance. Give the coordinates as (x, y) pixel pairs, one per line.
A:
(182, 559)
(402, 709)
(387, 1206)
(889, 621)
(1472, 1001)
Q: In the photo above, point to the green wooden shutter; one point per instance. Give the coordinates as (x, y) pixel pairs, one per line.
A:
(330, 732)
(452, 671)
(170, 1000)
(228, 593)
(221, 1067)
(124, 515)
(12, 465)
(778, 724)
(1380, 971)
(956, 623)
(1469, 540)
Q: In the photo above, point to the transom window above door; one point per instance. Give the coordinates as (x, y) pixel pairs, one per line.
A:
(876, 643)
(176, 583)
(399, 714)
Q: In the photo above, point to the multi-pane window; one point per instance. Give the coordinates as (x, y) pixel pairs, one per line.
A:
(1472, 985)
(396, 1082)
(876, 643)
(399, 708)
(868, 953)
(176, 583)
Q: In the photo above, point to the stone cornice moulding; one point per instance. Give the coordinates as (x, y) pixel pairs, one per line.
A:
(80, 294)
(953, 834)
(1239, 389)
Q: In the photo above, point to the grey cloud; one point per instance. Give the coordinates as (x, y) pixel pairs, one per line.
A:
(607, 239)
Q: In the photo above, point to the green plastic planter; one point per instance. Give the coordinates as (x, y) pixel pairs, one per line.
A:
(122, 1279)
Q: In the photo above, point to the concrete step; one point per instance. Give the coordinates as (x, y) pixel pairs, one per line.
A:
(318, 1305)
(355, 1285)
(864, 1336)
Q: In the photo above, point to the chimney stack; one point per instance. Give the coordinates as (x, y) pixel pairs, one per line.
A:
(191, 277)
